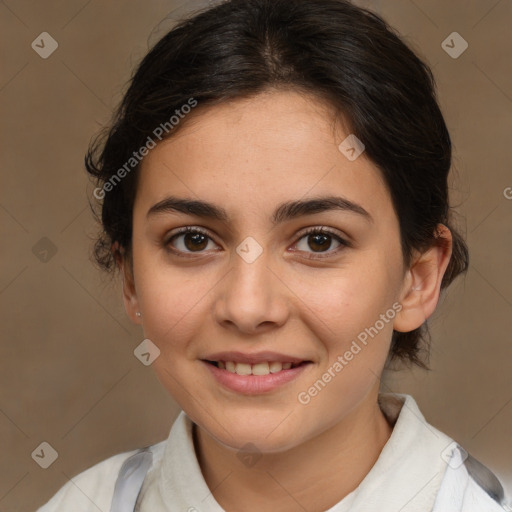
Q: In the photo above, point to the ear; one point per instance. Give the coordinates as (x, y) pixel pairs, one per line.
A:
(422, 284)
(131, 303)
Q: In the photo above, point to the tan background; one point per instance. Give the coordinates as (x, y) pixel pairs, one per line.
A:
(68, 375)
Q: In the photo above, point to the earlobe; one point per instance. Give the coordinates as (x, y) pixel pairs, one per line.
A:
(131, 303)
(422, 284)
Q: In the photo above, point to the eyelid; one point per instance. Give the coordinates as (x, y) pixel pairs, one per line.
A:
(324, 230)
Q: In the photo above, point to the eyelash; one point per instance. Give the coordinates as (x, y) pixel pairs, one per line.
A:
(317, 230)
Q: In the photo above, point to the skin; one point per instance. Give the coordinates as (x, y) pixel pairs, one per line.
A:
(248, 156)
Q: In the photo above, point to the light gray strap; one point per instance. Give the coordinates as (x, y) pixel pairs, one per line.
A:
(485, 478)
(130, 479)
(461, 468)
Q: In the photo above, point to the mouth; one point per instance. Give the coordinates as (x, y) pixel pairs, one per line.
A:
(256, 378)
(262, 368)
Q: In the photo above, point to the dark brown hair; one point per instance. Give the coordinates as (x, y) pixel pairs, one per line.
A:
(331, 49)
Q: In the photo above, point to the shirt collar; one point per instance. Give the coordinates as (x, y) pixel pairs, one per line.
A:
(412, 456)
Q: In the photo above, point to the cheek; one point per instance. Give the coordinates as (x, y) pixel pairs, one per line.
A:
(174, 309)
(344, 302)
(352, 341)
(173, 305)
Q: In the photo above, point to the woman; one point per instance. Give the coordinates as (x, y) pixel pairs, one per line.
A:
(274, 193)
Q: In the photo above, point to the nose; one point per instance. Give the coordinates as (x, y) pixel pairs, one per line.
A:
(252, 298)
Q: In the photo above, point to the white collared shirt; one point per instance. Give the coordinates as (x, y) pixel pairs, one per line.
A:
(417, 471)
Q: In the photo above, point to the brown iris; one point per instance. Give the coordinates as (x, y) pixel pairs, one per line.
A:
(195, 241)
(321, 240)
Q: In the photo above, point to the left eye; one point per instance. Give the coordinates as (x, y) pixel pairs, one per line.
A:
(320, 241)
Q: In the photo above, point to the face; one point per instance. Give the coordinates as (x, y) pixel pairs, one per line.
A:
(254, 280)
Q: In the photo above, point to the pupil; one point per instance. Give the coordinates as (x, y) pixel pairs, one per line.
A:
(197, 241)
(324, 243)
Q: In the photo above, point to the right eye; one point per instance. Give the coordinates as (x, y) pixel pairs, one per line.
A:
(188, 240)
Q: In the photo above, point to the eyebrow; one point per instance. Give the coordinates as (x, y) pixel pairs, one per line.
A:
(284, 212)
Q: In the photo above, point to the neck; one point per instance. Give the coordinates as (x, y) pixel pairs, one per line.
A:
(314, 475)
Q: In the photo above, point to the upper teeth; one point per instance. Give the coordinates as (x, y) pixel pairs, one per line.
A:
(254, 369)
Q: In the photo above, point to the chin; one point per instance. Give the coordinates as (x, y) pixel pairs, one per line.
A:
(256, 444)
(268, 436)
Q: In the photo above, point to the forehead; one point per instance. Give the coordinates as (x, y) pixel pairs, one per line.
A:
(256, 152)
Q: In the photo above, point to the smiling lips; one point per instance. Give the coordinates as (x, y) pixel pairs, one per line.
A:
(263, 368)
(261, 363)
(255, 379)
